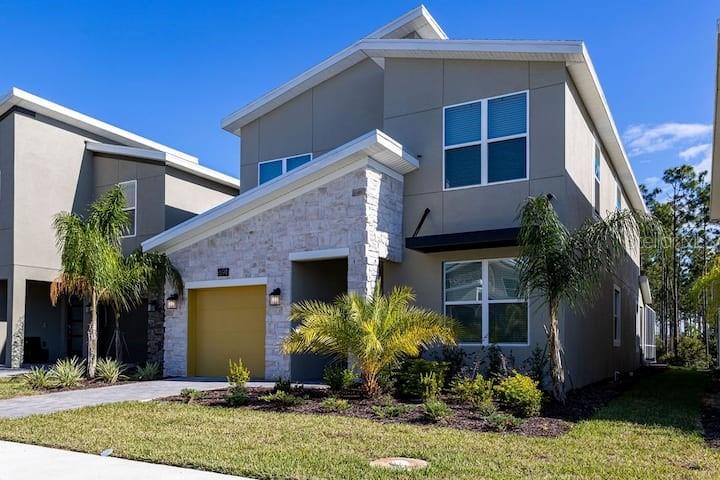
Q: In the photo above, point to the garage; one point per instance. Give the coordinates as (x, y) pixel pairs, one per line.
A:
(226, 323)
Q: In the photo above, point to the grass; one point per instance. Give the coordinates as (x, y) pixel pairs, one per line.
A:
(652, 431)
(14, 387)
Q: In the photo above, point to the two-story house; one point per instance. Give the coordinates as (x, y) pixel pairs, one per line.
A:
(54, 159)
(405, 159)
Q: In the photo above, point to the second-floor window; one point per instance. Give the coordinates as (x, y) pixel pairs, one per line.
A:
(618, 197)
(486, 141)
(596, 179)
(271, 169)
(130, 191)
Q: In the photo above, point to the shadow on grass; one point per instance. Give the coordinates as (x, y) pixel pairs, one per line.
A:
(668, 399)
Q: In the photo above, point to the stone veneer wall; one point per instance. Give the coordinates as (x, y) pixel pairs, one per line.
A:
(361, 210)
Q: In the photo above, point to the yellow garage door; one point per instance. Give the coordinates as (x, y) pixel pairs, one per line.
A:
(225, 323)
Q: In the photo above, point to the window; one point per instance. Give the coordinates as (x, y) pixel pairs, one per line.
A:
(274, 168)
(617, 320)
(484, 297)
(130, 191)
(486, 141)
(596, 182)
(618, 197)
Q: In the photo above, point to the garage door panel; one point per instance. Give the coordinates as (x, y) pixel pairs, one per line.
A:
(227, 323)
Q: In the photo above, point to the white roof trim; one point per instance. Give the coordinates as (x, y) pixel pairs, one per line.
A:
(645, 290)
(167, 159)
(416, 20)
(371, 148)
(21, 98)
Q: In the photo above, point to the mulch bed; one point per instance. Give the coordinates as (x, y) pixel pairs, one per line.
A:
(710, 415)
(555, 421)
(85, 385)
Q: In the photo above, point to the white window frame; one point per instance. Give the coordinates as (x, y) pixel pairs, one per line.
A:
(596, 174)
(135, 202)
(484, 141)
(617, 317)
(284, 165)
(618, 196)
(484, 302)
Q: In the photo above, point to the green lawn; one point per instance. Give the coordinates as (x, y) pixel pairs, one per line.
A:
(650, 432)
(14, 387)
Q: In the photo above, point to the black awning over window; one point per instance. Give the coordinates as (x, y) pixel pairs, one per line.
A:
(501, 237)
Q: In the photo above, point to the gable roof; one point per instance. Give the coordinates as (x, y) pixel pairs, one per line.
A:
(384, 43)
(133, 144)
(374, 148)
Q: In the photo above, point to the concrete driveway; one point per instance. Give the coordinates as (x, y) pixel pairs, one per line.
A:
(30, 462)
(137, 391)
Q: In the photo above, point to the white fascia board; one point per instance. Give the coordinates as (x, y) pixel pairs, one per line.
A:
(418, 19)
(588, 85)
(373, 147)
(523, 50)
(167, 159)
(21, 98)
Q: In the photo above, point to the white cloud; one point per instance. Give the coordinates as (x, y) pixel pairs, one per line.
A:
(642, 139)
(696, 150)
(650, 181)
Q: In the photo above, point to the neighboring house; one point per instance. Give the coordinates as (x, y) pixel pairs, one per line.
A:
(404, 159)
(54, 159)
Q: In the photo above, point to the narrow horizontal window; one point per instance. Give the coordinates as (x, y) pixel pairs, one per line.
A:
(294, 162)
(269, 170)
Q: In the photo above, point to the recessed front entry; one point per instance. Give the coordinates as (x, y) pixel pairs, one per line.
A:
(226, 323)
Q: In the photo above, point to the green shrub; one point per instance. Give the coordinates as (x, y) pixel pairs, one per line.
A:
(691, 352)
(238, 374)
(407, 378)
(501, 422)
(471, 391)
(281, 399)
(332, 404)
(520, 395)
(68, 372)
(283, 385)
(339, 379)
(151, 371)
(499, 365)
(237, 397)
(189, 395)
(38, 378)
(536, 364)
(389, 408)
(485, 409)
(435, 410)
(109, 370)
(431, 386)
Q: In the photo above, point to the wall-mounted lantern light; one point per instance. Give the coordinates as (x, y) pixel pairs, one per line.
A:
(275, 297)
(172, 301)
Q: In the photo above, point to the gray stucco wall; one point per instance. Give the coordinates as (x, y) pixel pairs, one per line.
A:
(327, 116)
(186, 196)
(360, 211)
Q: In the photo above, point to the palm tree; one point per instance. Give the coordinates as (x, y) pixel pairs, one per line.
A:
(376, 331)
(563, 267)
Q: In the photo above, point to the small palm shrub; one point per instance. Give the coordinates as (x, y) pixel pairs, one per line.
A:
(377, 331)
(332, 404)
(408, 383)
(501, 422)
(68, 372)
(339, 379)
(190, 395)
(391, 409)
(38, 378)
(431, 385)
(237, 397)
(520, 395)
(281, 399)
(435, 410)
(472, 391)
(150, 371)
(238, 374)
(109, 370)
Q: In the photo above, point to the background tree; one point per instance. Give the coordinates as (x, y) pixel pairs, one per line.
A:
(563, 267)
(376, 332)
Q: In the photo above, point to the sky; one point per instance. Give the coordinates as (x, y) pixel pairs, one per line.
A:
(171, 70)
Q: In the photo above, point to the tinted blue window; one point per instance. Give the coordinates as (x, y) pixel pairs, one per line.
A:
(269, 170)
(462, 166)
(507, 160)
(507, 116)
(462, 124)
(294, 162)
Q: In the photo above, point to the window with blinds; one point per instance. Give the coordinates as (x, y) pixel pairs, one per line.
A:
(485, 141)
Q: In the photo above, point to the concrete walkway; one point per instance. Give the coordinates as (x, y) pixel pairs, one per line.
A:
(12, 372)
(29, 462)
(138, 391)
